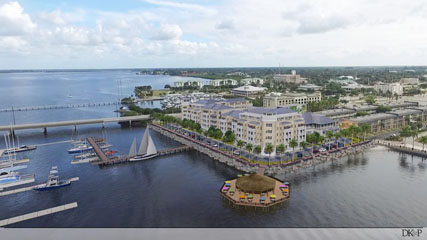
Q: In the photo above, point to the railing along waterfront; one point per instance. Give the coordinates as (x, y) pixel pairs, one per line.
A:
(295, 164)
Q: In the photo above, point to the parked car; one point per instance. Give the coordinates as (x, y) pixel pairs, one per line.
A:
(322, 150)
(299, 155)
(237, 152)
(215, 145)
(315, 150)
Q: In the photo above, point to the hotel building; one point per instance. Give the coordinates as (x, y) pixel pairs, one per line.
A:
(255, 125)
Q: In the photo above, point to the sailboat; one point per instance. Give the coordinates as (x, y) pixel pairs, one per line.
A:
(146, 150)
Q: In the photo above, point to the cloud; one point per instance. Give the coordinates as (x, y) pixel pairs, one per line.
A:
(227, 24)
(168, 32)
(322, 24)
(183, 6)
(14, 43)
(13, 20)
(57, 17)
(223, 33)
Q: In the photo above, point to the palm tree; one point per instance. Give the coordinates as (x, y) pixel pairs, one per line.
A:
(257, 149)
(303, 144)
(365, 128)
(281, 148)
(329, 135)
(352, 130)
(249, 147)
(406, 132)
(240, 144)
(309, 139)
(414, 134)
(293, 144)
(423, 140)
(269, 149)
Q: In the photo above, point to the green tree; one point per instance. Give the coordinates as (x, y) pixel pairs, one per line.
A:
(268, 149)
(293, 144)
(370, 99)
(249, 147)
(257, 149)
(281, 148)
(406, 132)
(423, 140)
(240, 144)
(329, 135)
(365, 128)
(229, 137)
(303, 145)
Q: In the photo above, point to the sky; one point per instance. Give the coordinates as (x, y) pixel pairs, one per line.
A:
(55, 34)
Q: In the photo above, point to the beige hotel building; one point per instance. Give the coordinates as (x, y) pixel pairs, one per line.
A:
(255, 125)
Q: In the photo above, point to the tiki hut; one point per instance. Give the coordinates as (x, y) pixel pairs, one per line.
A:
(255, 183)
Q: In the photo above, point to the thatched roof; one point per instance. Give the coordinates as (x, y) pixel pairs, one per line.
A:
(255, 183)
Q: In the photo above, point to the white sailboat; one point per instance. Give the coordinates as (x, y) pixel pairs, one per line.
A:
(147, 149)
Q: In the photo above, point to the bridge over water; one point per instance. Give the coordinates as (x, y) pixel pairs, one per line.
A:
(50, 107)
(45, 125)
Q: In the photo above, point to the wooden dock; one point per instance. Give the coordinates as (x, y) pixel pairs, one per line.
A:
(101, 155)
(37, 214)
(123, 159)
(28, 188)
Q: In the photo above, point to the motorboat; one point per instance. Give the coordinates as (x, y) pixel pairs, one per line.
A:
(53, 181)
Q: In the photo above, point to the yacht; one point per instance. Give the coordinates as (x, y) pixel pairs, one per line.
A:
(85, 148)
(147, 149)
(53, 181)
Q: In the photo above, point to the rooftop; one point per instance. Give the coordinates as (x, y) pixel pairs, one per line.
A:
(372, 117)
(313, 118)
(249, 88)
(275, 111)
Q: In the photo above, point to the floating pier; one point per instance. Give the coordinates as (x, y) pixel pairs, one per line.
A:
(38, 214)
(24, 179)
(28, 188)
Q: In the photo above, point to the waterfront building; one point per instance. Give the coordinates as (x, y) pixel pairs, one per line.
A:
(223, 82)
(249, 81)
(318, 123)
(193, 83)
(275, 99)
(194, 110)
(394, 88)
(247, 91)
(392, 120)
(255, 125)
(289, 78)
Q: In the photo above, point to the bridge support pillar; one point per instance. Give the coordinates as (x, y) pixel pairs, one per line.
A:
(75, 128)
(44, 130)
(103, 125)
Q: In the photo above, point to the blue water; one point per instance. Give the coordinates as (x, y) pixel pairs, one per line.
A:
(378, 188)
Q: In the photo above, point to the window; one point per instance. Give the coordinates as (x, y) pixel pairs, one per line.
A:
(269, 125)
(269, 131)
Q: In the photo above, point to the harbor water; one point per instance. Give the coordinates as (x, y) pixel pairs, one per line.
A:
(377, 188)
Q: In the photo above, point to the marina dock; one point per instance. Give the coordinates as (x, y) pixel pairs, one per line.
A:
(123, 159)
(37, 214)
(28, 188)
